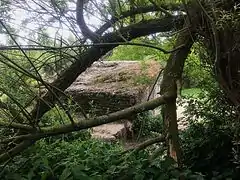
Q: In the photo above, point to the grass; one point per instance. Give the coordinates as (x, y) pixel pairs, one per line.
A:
(191, 92)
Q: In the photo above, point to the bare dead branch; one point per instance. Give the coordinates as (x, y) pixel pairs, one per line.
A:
(154, 84)
(43, 48)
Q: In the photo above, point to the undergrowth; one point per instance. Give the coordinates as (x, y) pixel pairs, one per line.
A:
(209, 144)
(91, 159)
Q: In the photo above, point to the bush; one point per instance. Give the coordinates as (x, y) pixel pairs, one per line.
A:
(146, 124)
(91, 159)
(64, 159)
(197, 73)
(57, 116)
(208, 142)
(208, 150)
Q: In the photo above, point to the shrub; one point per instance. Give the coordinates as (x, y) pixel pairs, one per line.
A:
(208, 141)
(62, 159)
(146, 124)
(57, 116)
(92, 159)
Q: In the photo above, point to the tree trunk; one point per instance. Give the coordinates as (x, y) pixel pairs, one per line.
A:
(172, 73)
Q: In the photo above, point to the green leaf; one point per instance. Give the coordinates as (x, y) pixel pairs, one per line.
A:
(163, 177)
(30, 173)
(65, 174)
(139, 176)
(79, 175)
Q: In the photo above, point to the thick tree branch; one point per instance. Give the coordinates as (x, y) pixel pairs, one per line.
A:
(14, 125)
(81, 23)
(135, 11)
(92, 122)
(93, 54)
(29, 139)
(172, 73)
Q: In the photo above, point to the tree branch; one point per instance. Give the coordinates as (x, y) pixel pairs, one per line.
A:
(81, 23)
(92, 122)
(14, 125)
(93, 54)
(172, 73)
(29, 139)
(139, 10)
(43, 48)
(15, 151)
(146, 143)
(135, 11)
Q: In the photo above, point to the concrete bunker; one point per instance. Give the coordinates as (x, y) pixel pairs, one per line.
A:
(109, 86)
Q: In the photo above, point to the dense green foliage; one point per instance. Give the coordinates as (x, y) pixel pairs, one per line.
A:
(146, 125)
(139, 53)
(208, 143)
(91, 159)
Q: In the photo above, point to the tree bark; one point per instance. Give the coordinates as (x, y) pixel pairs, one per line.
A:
(172, 73)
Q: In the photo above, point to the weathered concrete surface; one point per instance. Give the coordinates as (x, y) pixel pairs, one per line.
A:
(107, 131)
(111, 86)
(107, 87)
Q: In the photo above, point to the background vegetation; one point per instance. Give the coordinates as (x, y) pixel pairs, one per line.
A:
(210, 142)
